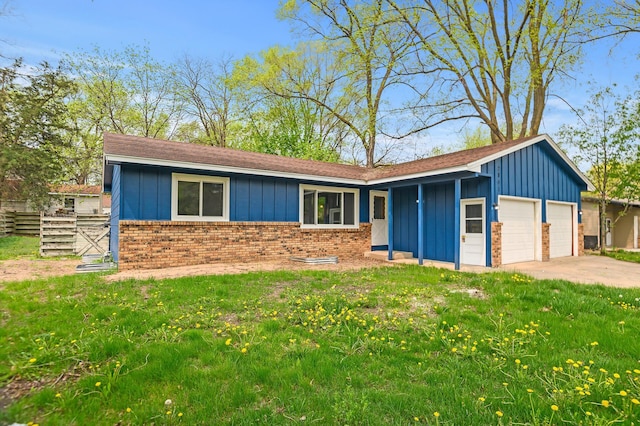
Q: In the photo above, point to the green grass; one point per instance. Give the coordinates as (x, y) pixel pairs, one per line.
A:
(14, 247)
(627, 256)
(378, 346)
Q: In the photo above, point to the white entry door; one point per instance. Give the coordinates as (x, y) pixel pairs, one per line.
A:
(378, 218)
(472, 235)
(608, 240)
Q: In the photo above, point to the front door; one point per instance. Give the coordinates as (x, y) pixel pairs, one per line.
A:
(607, 235)
(378, 218)
(472, 235)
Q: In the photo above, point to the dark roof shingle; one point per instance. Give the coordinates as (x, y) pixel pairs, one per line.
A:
(144, 148)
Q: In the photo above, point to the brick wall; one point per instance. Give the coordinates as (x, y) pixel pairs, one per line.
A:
(580, 239)
(163, 244)
(545, 242)
(496, 244)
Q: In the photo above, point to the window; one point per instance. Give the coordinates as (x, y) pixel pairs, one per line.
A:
(70, 205)
(199, 198)
(328, 207)
(379, 207)
(473, 218)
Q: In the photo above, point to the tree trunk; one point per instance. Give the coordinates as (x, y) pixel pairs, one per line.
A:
(603, 224)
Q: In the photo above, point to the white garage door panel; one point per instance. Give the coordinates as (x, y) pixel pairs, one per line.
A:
(560, 216)
(518, 231)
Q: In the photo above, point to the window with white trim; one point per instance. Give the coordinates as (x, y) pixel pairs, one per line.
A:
(199, 198)
(328, 207)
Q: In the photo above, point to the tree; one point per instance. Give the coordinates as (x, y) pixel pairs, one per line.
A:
(32, 119)
(497, 61)
(129, 92)
(608, 143)
(209, 97)
(367, 52)
(272, 121)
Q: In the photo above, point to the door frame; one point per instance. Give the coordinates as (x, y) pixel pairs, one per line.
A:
(463, 202)
(385, 194)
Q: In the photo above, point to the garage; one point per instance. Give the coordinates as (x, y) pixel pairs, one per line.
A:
(520, 229)
(560, 216)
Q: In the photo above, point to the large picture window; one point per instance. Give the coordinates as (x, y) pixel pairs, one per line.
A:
(328, 207)
(199, 198)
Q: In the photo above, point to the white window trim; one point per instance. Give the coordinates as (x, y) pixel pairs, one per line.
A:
(175, 177)
(356, 207)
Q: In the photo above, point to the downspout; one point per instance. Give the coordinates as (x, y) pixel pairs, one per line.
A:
(456, 227)
(390, 224)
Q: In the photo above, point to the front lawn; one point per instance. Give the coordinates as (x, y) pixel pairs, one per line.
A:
(627, 256)
(398, 345)
(14, 247)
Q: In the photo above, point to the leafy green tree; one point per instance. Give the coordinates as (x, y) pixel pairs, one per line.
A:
(365, 53)
(608, 144)
(495, 61)
(274, 122)
(33, 116)
(129, 92)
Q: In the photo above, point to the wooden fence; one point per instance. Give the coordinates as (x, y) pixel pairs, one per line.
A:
(76, 234)
(26, 223)
(7, 221)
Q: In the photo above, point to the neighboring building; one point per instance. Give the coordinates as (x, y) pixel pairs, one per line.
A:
(179, 204)
(64, 199)
(621, 231)
(76, 199)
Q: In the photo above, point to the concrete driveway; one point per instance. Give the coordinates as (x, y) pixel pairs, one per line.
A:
(587, 269)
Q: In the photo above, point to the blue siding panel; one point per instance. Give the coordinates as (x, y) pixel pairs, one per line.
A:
(115, 212)
(364, 205)
(255, 200)
(534, 172)
(439, 222)
(405, 220)
(293, 209)
(269, 200)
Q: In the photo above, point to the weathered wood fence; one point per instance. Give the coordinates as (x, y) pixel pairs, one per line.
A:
(76, 234)
(19, 223)
(7, 220)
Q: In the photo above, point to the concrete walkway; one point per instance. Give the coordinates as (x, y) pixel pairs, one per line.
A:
(589, 269)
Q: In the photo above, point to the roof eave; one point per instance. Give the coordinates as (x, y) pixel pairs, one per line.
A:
(118, 159)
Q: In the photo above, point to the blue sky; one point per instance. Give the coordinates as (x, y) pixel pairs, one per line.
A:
(45, 29)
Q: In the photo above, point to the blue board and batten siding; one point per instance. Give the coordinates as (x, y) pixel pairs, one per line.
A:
(115, 212)
(536, 171)
(147, 196)
(144, 193)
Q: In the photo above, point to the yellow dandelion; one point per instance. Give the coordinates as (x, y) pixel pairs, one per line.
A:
(58, 395)
(518, 361)
(168, 412)
(436, 414)
(227, 342)
(605, 403)
(128, 410)
(416, 419)
(554, 407)
(635, 401)
(32, 360)
(623, 393)
(499, 413)
(98, 384)
(243, 350)
(530, 390)
(481, 399)
(594, 343)
(179, 414)
(616, 375)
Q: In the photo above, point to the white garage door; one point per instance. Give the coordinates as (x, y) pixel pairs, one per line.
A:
(560, 216)
(518, 219)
